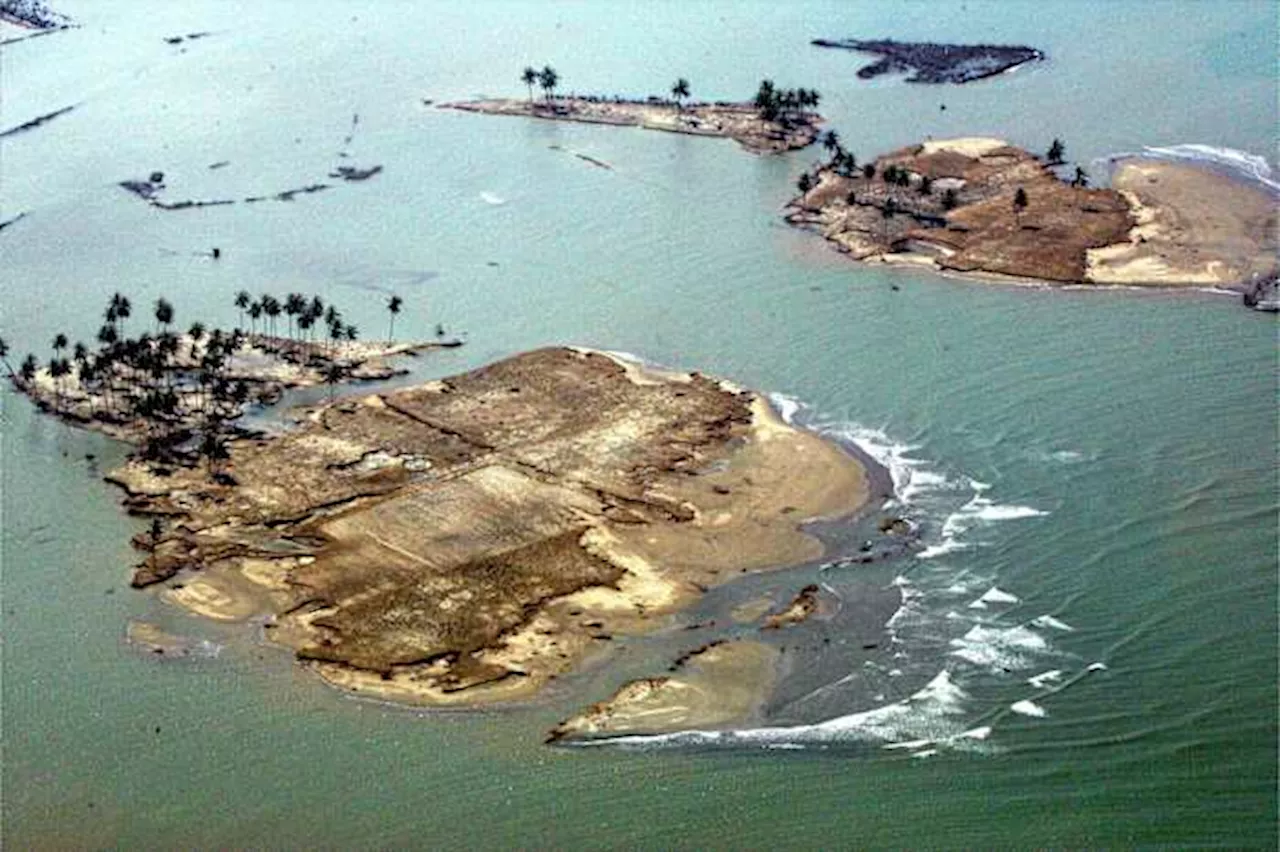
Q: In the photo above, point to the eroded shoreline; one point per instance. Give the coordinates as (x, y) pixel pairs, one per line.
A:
(472, 539)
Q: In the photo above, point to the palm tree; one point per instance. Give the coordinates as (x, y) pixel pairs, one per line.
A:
(1019, 203)
(196, 331)
(164, 313)
(680, 91)
(804, 183)
(28, 370)
(242, 302)
(1056, 152)
(831, 141)
(255, 311)
(271, 307)
(393, 306)
(529, 77)
(4, 352)
(869, 171)
(886, 214)
(1081, 179)
(58, 367)
(122, 307)
(294, 304)
(548, 79)
(59, 342)
(332, 375)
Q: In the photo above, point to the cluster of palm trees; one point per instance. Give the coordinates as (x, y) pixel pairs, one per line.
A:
(301, 313)
(152, 378)
(785, 105)
(547, 79)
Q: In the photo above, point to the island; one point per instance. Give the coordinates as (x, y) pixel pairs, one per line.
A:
(471, 539)
(985, 208)
(775, 121)
(935, 63)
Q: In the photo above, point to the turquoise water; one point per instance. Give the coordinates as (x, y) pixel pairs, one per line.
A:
(1105, 459)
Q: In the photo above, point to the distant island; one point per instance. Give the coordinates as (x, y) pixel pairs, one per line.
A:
(935, 63)
(983, 207)
(774, 121)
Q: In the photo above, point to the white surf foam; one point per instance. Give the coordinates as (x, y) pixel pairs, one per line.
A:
(1050, 621)
(1043, 679)
(1249, 165)
(1028, 708)
(999, 649)
(994, 595)
(1097, 667)
(491, 198)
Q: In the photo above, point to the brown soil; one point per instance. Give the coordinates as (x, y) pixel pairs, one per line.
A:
(1162, 223)
(985, 232)
(469, 539)
(739, 122)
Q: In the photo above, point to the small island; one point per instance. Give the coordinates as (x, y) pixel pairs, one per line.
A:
(984, 208)
(471, 539)
(935, 63)
(776, 120)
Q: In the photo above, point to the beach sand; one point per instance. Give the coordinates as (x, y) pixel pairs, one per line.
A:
(1194, 226)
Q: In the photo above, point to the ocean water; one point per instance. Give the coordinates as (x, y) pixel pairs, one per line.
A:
(1086, 652)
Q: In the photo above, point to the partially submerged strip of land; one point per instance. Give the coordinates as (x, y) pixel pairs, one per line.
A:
(776, 120)
(936, 63)
(32, 14)
(36, 122)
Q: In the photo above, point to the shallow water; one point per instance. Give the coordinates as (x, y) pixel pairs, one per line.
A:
(1094, 474)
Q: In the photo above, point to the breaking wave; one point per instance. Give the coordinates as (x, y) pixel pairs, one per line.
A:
(1250, 166)
(958, 647)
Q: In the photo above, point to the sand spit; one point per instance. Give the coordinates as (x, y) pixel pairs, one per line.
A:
(471, 539)
(720, 684)
(737, 121)
(985, 209)
(1192, 226)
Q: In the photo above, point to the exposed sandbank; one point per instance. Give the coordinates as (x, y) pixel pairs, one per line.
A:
(1193, 226)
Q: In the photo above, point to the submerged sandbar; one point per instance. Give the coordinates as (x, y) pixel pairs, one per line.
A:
(470, 539)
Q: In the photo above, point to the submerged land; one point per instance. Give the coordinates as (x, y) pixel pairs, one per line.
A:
(929, 62)
(982, 207)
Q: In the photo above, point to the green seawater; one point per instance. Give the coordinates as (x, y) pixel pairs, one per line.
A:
(1105, 459)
